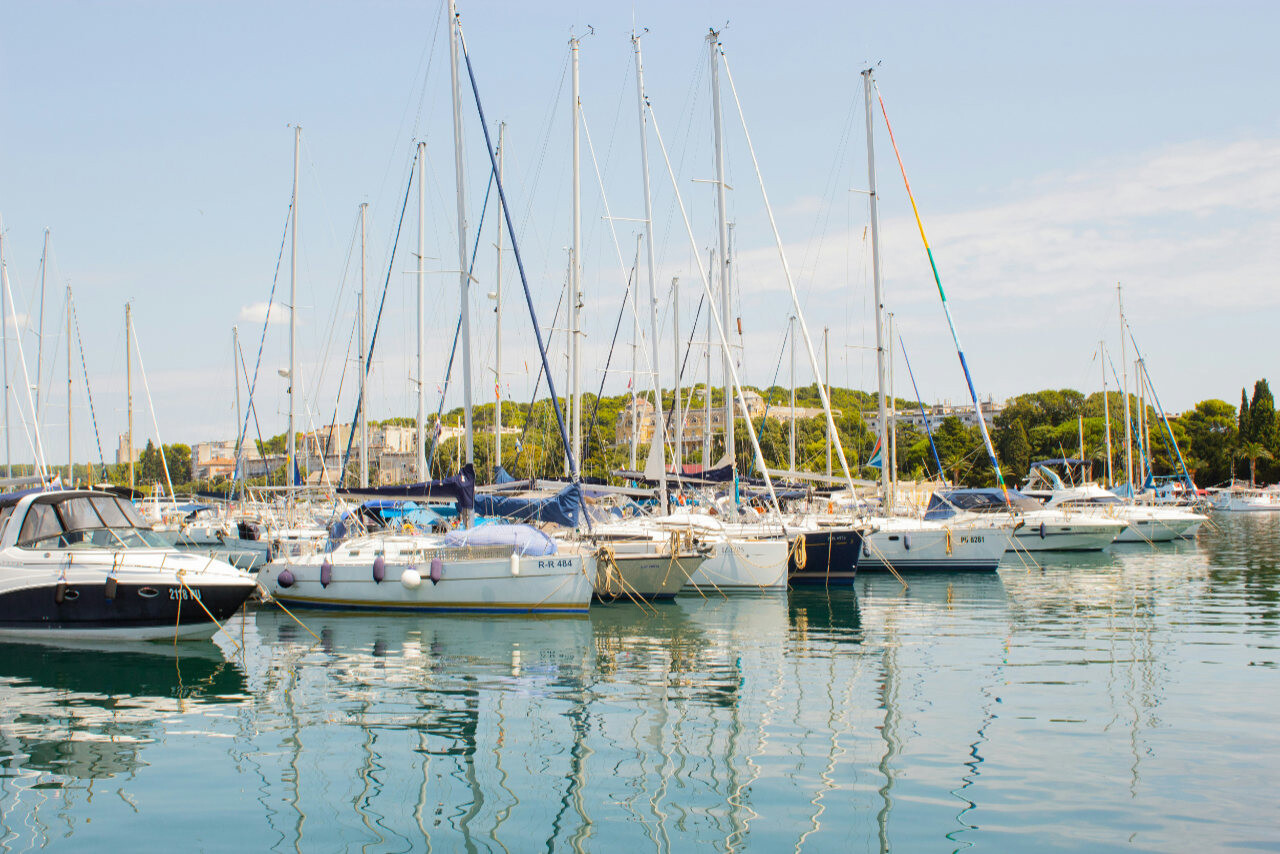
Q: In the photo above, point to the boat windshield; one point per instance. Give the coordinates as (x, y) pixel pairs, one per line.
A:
(1091, 501)
(87, 522)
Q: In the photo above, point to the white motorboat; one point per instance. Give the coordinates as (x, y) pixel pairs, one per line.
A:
(493, 568)
(1239, 498)
(84, 564)
(1145, 523)
(1031, 526)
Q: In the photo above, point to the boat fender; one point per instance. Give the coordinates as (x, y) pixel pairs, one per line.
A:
(866, 547)
(110, 587)
(326, 573)
(906, 542)
(379, 569)
(437, 570)
(515, 563)
(285, 579)
(60, 592)
(410, 578)
(1043, 531)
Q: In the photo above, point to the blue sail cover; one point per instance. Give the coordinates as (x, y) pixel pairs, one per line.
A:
(461, 488)
(561, 508)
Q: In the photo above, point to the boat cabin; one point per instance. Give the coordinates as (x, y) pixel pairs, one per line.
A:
(74, 519)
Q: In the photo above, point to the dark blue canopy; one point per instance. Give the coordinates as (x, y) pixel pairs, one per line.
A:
(561, 508)
(460, 488)
(946, 502)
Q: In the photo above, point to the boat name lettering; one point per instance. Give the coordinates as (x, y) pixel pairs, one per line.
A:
(181, 594)
(555, 563)
(972, 538)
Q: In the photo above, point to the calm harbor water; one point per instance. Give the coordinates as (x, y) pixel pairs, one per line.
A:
(1118, 701)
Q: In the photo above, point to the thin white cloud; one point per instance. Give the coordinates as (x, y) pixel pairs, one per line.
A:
(257, 313)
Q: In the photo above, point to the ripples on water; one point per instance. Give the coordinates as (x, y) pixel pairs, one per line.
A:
(1122, 700)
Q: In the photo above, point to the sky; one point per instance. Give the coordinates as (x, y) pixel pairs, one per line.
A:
(1055, 150)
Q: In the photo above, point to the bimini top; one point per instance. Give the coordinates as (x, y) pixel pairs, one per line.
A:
(945, 503)
(73, 518)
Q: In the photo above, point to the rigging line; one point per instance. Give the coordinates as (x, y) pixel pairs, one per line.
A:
(333, 316)
(764, 419)
(515, 250)
(251, 408)
(591, 429)
(382, 302)
(719, 324)
(923, 413)
(457, 329)
(93, 416)
(137, 346)
(1160, 409)
(342, 379)
(524, 434)
(955, 337)
(266, 321)
(37, 446)
(786, 269)
(613, 228)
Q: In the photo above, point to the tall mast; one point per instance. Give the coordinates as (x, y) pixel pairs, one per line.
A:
(659, 432)
(128, 382)
(497, 333)
(575, 277)
(44, 273)
(1124, 382)
(826, 380)
(361, 355)
(464, 277)
(879, 297)
(291, 442)
(71, 473)
(677, 417)
(235, 377)
(635, 351)
(1106, 409)
(726, 306)
(421, 420)
(791, 439)
(892, 405)
(706, 395)
(4, 330)
(1144, 435)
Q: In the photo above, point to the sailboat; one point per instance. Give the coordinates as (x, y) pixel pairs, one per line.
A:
(499, 568)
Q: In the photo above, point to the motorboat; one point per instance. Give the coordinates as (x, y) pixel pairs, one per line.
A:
(1031, 526)
(1242, 498)
(1145, 523)
(84, 564)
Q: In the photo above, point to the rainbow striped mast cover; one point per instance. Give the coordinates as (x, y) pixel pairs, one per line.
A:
(973, 395)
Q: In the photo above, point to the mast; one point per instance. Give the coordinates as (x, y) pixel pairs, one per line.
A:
(128, 381)
(635, 350)
(421, 421)
(677, 417)
(70, 452)
(1106, 409)
(1144, 434)
(464, 279)
(575, 277)
(726, 306)
(44, 273)
(291, 443)
(497, 333)
(791, 440)
(826, 380)
(706, 396)
(235, 377)
(892, 404)
(879, 296)
(362, 355)
(4, 330)
(659, 432)
(1124, 382)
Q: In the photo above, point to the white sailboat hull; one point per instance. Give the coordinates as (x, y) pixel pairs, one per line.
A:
(740, 564)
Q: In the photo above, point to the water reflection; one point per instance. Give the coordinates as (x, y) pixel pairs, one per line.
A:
(70, 716)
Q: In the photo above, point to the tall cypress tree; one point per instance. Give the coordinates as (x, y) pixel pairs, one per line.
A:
(1244, 416)
(1262, 416)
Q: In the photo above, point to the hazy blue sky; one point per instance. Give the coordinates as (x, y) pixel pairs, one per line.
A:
(1055, 149)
